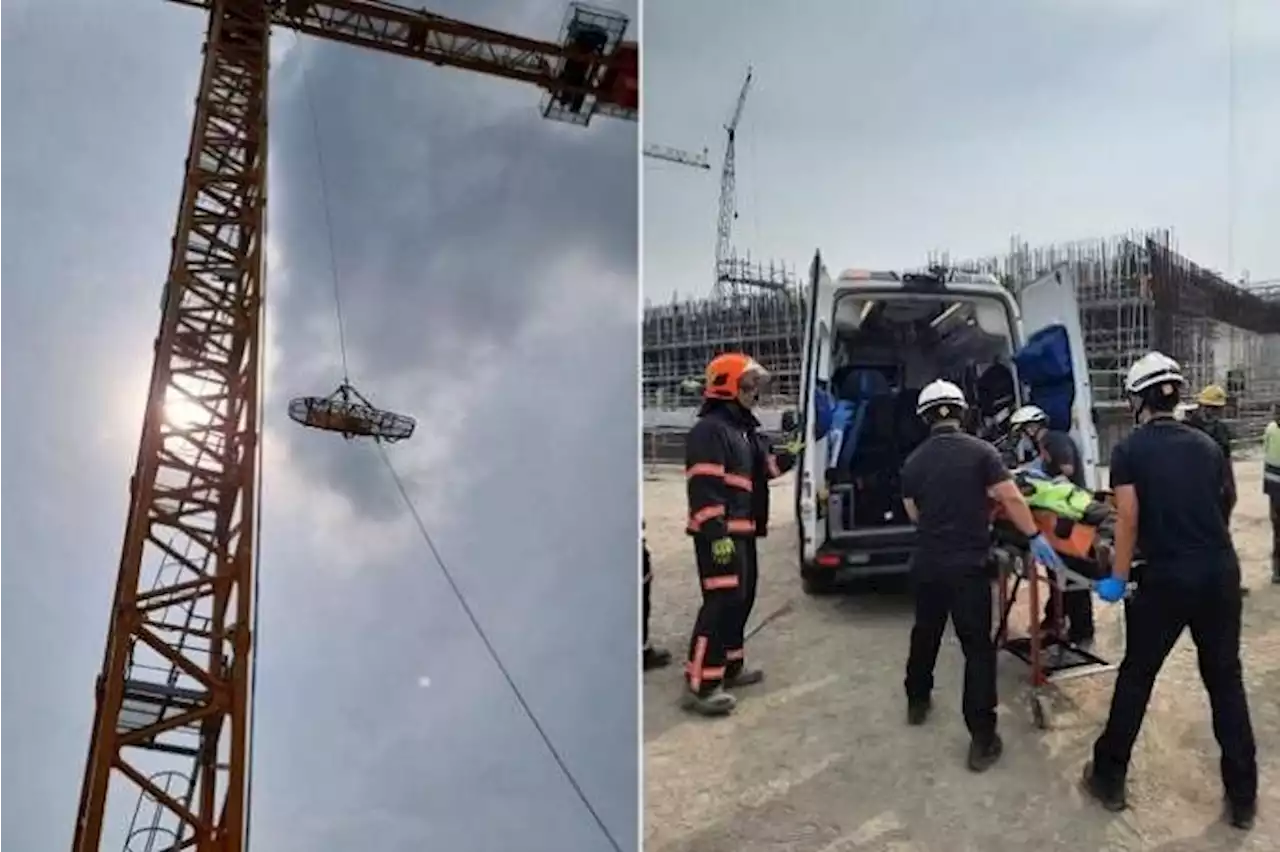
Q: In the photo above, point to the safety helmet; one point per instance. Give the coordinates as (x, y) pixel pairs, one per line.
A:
(1152, 369)
(938, 398)
(1028, 414)
(1213, 396)
(725, 374)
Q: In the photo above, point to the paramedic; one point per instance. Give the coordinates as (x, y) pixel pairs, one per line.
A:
(1170, 485)
(720, 457)
(946, 484)
(1271, 486)
(1206, 415)
(1059, 456)
(651, 657)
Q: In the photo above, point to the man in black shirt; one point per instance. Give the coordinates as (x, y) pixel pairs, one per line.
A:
(1171, 485)
(946, 485)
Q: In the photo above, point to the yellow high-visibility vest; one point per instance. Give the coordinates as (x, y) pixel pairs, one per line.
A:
(1271, 459)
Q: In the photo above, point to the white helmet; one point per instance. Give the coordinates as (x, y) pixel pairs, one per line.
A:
(1154, 368)
(1028, 414)
(940, 393)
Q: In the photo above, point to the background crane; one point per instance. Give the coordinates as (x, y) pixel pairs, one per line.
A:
(173, 698)
(728, 190)
(676, 155)
(733, 273)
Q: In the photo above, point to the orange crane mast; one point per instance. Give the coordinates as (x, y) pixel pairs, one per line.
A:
(173, 698)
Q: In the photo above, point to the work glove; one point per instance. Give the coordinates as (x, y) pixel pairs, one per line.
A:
(1043, 552)
(722, 550)
(1111, 589)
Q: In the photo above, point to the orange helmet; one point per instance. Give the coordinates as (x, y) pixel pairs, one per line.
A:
(725, 373)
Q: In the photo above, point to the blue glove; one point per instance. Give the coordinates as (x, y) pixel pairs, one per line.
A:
(1043, 552)
(1111, 589)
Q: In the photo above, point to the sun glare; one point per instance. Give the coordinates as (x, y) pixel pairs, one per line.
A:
(182, 413)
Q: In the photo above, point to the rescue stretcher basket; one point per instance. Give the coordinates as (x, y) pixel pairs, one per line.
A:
(1051, 657)
(347, 412)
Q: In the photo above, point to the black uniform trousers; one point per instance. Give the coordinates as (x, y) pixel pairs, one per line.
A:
(1077, 605)
(1155, 618)
(646, 581)
(966, 599)
(1275, 533)
(718, 629)
(736, 642)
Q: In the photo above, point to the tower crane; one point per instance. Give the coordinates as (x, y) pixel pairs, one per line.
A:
(728, 190)
(175, 689)
(732, 271)
(677, 156)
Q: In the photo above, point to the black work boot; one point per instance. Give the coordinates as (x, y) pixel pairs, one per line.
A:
(918, 711)
(1082, 640)
(655, 658)
(1241, 815)
(983, 754)
(1110, 794)
(717, 702)
(742, 676)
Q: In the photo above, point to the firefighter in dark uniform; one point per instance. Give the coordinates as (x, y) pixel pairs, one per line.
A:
(1171, 486)
(770, 461)
(1207, 417)
(721, 455)
(651, 657)
(947, 483)
(1058, 455)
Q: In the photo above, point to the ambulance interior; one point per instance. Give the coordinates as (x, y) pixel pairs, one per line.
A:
(885, 348)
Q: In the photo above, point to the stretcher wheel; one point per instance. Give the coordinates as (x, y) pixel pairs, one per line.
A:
(1040, 711)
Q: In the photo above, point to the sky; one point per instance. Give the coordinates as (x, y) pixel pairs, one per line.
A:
(487, 260)
(878, 132)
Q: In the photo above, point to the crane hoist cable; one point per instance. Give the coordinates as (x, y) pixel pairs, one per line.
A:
(328, 220)
(379, 441)
(493, 652)
(345, 410)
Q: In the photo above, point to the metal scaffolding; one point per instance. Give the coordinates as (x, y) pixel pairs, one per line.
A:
(681, 337)
(1136, 293)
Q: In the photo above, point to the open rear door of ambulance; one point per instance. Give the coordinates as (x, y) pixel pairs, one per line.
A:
(812, 468)
(1052, 339)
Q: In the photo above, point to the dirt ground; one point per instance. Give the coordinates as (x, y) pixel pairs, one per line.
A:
(819, 759)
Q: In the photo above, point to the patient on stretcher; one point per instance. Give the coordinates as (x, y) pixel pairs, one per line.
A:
(1078, 523)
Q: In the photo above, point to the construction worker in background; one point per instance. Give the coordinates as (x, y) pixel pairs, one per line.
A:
(650, 657)
(721, 455)
(946, 484)
(1057, 455)
(1271, 486)
(1171, 482)
(1206, 415)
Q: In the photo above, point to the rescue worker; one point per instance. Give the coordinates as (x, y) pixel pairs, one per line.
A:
(721, 454)
(1171, 484)
(769, 461)
(651, 657)
(1059, 456)
(946, 484)
(1206, 415)
(1271, 486)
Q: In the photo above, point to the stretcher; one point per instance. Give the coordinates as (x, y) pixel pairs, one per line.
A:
(1085, 550)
